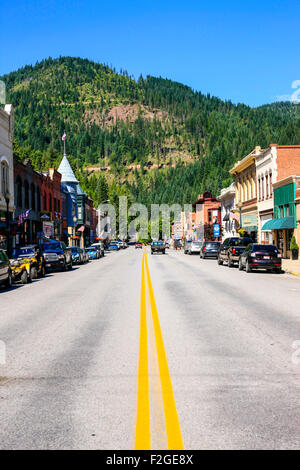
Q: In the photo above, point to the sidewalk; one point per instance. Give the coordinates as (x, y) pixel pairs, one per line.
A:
(291, 267)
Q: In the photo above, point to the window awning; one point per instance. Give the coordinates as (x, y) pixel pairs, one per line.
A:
(280, 224)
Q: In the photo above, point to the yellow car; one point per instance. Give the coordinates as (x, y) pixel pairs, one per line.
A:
(27, 264)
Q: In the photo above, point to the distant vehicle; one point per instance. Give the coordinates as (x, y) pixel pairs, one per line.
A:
(5, 270)
(230, 250)
(93, 252)
(27, 263)
(186, 246)
(78, 255)
(100, 246)
(260, 257)
(57, 255)
(158, 247)
(124, 244)
(86, 258)
(113, 247)
(138, 245)
(209, 250)
(195, 247)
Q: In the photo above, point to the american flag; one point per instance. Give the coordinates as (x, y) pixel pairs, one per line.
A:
(64, 136)
(22, 217)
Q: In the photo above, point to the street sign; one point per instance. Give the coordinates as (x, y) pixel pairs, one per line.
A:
(216, 230)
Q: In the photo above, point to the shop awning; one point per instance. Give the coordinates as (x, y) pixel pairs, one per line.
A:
(280, 224)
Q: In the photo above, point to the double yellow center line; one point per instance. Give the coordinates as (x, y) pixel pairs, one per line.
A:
(143, 425)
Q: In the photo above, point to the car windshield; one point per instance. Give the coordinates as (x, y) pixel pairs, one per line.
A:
(196, 243)
(51, 246)
(266, 248)
(74, 249)
(240, 242)
(157, 243)
(212, 244)
(91, 248)
(26, 251)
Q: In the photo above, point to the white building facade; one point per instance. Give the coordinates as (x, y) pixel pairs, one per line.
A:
(6, 171)
(229, 220)
(266, 175)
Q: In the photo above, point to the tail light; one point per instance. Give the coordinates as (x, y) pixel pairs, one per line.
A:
(233, 251)
(204, 249)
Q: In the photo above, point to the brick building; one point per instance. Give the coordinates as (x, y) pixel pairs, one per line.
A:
(208, 214)
(52, 203)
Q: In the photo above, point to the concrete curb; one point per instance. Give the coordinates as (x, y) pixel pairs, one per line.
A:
(293, 273)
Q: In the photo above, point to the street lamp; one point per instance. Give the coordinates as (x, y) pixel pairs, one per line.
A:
(7, 199)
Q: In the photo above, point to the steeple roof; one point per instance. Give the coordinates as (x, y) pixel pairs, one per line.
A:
(67, 174)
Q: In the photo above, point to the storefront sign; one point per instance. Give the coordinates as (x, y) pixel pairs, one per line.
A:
(249, 220)
(216, 230)
(48, 229)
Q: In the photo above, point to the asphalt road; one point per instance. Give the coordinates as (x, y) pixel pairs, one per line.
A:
(159, 351)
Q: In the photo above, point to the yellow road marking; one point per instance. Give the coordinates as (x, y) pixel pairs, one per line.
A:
(142, 436)
(174, 436)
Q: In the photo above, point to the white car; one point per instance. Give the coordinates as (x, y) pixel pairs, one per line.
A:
(195, 247)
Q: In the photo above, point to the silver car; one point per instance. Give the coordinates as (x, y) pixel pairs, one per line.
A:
(195, 247)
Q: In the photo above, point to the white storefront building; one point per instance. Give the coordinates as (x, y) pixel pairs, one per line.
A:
(266, 175)
(228, 217)
(6, 171)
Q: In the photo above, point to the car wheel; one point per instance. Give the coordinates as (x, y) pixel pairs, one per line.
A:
(248, 269)
(24, 277)
(8, 282)
(43, 271)
(64, 267)
(164, 252)
(33, 273)
(240, 265)
(70, 266)
(151, 252)
(220, 262)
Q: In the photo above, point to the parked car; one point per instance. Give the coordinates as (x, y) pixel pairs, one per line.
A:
(57, 256)
(77, 255)
(138, 245)
(5, 270)
(230, 250)
(113, 247)
(158, 247)
(27, 263)
(186, 246)
(93, 252)
(100, 246)
(209, 250)
(195, 247)
(260, 257)
(86, 258)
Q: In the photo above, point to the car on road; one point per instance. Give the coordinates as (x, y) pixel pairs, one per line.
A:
(231, 249)
(186, 246)
(5, 269)
(158, 247)
(27, 263)
(195, 247)
(138, 245)
(93, 252)
(113, 247)
(209, 249)
(100, 247)
(257, 256)
(78, 255)
(57, 256)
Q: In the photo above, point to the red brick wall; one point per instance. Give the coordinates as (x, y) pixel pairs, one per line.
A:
(288, 161)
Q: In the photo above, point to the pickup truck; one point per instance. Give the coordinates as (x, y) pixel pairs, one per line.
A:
(158, 247)
(230, 250)
(57, 255)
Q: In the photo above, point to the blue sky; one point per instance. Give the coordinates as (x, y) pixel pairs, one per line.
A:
(246, 51)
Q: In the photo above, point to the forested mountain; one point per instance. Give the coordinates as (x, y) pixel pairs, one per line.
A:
(152, 138)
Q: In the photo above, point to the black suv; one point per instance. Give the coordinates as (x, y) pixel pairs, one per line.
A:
(57, 255)
(5, 270)
(230, 250)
